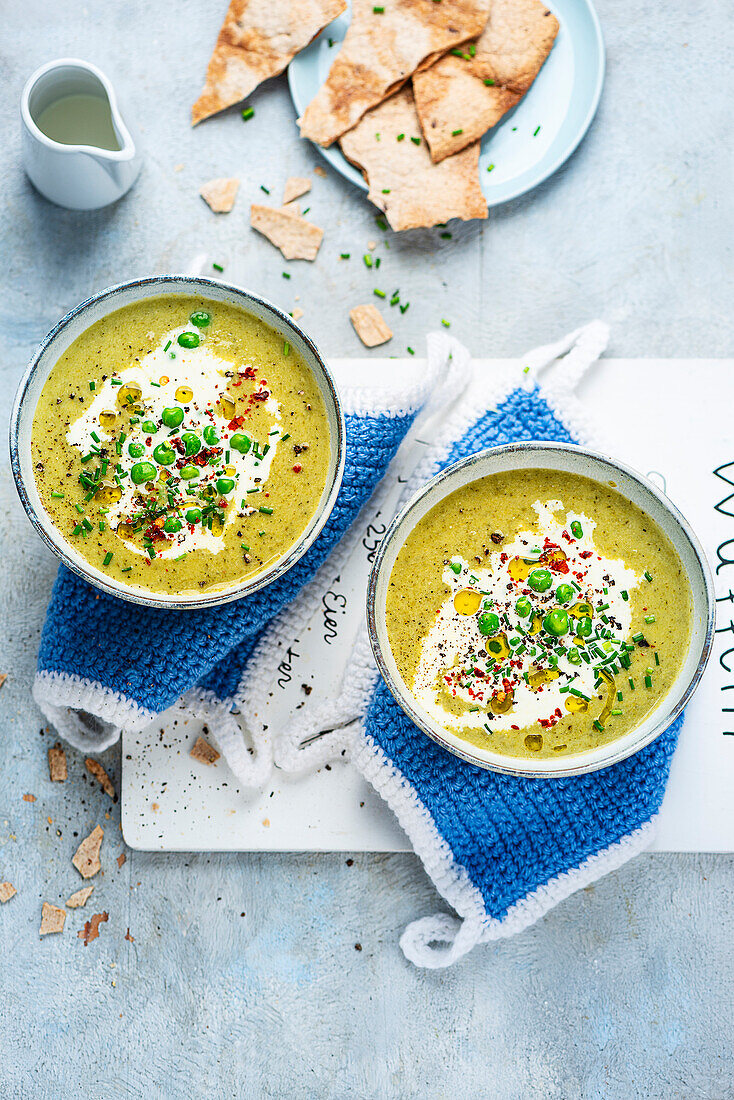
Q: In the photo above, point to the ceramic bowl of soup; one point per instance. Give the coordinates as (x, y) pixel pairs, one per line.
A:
(177, 441)
(541, 610)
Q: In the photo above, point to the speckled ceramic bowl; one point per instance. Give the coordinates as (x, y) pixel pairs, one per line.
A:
(633, 486)
(64, 334)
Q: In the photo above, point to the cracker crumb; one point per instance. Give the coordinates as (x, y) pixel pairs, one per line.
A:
(266, 822)
(154, 807)
(52, 919)
(297, 313)
(319, 171)
(29, 798)
(86, 858)
(220, 194)
(7, 891)
(296, 238)
(57, 763)
(204, 752)
(90, 931)
(295, 186)
(128, 937)
(3, 678)
(371, 245)
(80, 898)
(121, 859)
(178, 167)
(370, 325)
(97, 772)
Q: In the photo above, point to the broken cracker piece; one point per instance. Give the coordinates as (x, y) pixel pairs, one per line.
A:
(90, 931)
(291, 208)
(29, 798)
(459, 98)
(121, 859)
(86, 858)
(204, 752)
(295, 186)
(370, 325)
(96, 770)
(220, 194)
(297, 313)
(80, 898)
(403, 180)
(57, 763)
(257, 40)
(7, 891)
(52, 919)
(296, 238)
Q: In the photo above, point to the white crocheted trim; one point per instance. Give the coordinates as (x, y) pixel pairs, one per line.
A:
(86, 714)
(452, 881)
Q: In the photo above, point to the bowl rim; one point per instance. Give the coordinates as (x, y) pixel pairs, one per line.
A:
(213, 599)
(518, 766)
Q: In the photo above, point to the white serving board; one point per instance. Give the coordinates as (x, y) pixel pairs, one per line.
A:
(660, 414)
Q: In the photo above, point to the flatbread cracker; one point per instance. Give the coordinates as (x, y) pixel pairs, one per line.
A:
(381, 50)
(7, 891)
(96, 770)
(57, 763)
(86, 858)
(257, 40)
(456, 104)
(203, 751)
(403, 180)
(220, 194)
(295, 186)
(52, 919)
(80, 898)
(370, 326)
(296, 238)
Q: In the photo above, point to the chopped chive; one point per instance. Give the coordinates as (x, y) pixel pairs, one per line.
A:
(576, 586)
(126, 569)
(286, 348)
(168, 345)
(386, 190)
(536, 131)
(379, 293)
(490, 167)
(575, 691)
(410, 351)
(648, 681)
(346, 255)
(286, 274)
(379, 11)
(57, 496)
(597, 725)
(77, 530)
(489, 83)
(92, 385)
(265, 509)
(405, 307)
(631, 683)
(619, 696)
(247, 113)
(615, 713)
(455, 133)
(416, 141)
(638, 638)
(395, 299)
(101, 525)
(445, 323)
(264, 188)
(647, 575)
(381, 224)
(79, 508)
(115, 381)
(625, 595)
(649, 618)
(286, 436)
(657, 659)
(217, 267)
(400, 137)
(367, 259)
(107, 558)
(156, 384)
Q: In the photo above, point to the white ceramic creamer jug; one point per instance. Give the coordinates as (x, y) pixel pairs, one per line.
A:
(77, 150)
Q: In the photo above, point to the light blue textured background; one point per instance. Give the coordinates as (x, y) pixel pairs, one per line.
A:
(625, 990)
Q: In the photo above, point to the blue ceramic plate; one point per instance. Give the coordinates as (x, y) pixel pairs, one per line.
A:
(530, 142)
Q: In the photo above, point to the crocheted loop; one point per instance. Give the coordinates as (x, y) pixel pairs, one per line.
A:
(421, 941)
(575, 354)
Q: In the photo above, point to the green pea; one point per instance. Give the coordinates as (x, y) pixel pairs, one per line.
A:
(574, 656)
(200, 318)
(210, 435)
(225, 485)
(489, 623)
(565, 593)
(455, 567)
(135, 450)
(172, 416)
(576, 529)
(193, 515)
(540, 580)
(187, 472)
(172, 525)
(523, 607)
(149, 426)
(189, 339)
(240, 442)
(164, 454)
(556, 622)
(584, 627)
(143, 471)
(192, 443)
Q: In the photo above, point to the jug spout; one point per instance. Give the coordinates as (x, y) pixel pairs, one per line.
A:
(78, 150)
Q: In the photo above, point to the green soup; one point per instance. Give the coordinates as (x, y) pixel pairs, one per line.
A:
(538, 613)
(180, 445)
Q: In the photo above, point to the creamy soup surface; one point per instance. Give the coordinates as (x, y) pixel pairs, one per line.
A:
(181, 445)
(538, 613)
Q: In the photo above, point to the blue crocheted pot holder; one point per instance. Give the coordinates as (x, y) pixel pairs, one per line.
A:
(498, 839)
